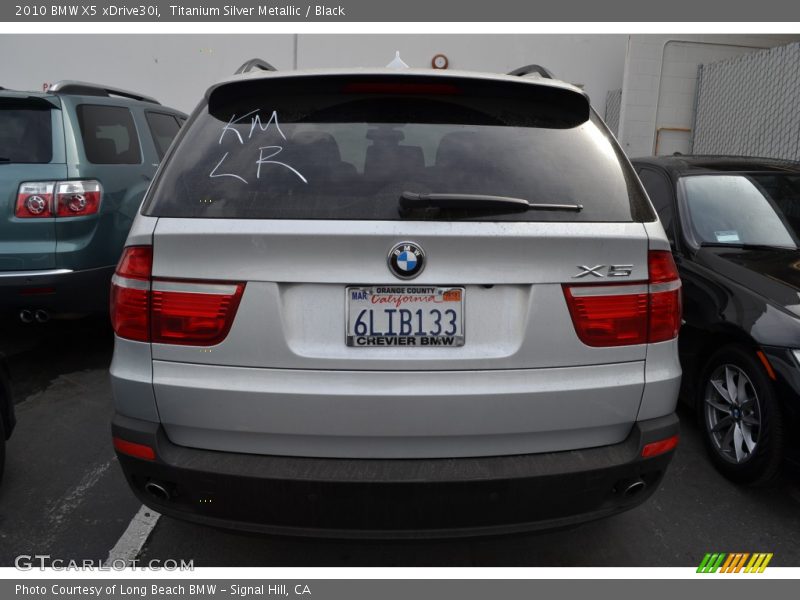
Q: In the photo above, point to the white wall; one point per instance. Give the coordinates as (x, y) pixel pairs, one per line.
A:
(660, 77)
(177, 68)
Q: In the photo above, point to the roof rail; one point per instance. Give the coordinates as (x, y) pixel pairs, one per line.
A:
(254, 63)
(93, 89)
(531, 69)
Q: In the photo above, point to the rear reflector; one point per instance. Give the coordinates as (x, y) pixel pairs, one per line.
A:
(614, 314)
(660, 447)
(134, 449)
(192, 313)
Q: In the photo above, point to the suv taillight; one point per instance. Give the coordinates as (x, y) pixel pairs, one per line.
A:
(629, 313)
(166, 311)
(37, 199)
(77, 198)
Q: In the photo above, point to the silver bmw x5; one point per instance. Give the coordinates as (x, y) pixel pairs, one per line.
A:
(379, 302)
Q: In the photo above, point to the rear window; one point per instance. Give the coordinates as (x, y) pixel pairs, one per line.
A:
(26, 133)
(109, 135)
(163, 128)
(349, 148)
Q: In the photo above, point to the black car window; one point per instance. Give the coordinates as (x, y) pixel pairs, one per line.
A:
(163, 128)
(26, 133)
(109, 135)
(659, 189)
(335, 150)
(742, 208)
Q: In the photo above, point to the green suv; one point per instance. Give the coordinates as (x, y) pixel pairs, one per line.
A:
(75, 162)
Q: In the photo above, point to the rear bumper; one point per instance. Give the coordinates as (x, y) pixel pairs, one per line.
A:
(394, 497)
(58, 291)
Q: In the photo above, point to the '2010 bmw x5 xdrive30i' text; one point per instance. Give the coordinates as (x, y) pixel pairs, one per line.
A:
(378, 302)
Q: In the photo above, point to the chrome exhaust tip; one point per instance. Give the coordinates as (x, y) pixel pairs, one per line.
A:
(157, 491)
(26, 316)
(42, 316)
(632, 488)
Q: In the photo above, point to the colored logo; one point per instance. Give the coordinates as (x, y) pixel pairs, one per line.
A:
(406, 260)
(736, 562)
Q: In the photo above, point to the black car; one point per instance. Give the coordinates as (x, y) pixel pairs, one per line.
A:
(734, 226)
(6, 412)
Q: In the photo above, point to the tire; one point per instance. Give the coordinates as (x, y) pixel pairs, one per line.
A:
(753, 454)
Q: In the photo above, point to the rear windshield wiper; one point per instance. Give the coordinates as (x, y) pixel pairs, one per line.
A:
(741, 246)
(410, 200)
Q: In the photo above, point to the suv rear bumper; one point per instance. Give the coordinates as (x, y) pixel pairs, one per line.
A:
(393, 497)
(58, 291)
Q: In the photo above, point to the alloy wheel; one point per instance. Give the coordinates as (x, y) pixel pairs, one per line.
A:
(732, 413)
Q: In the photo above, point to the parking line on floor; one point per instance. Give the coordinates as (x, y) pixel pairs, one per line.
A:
(134, 538)
(64, 506)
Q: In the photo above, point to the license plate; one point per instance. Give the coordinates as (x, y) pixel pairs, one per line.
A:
(405, 315)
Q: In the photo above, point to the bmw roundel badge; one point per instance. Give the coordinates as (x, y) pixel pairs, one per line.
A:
(406, 260)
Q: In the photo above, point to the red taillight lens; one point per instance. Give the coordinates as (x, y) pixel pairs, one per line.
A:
(195, 314)
(134, 449)
(192, 313)
(130, 294)
(607, 315)
(35, 200)
(616, 319)
(136, 262)
(665, 297)
(78, 198)
(660, 447)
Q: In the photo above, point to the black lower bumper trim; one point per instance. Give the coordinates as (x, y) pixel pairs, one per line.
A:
(394, 498)
(74, 292)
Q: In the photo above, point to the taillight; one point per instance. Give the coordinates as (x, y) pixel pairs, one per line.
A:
(193, 313)
(629, 313)
(35, 200)
(162, 311)
(665, 297)
(130, 294)
(77, 198)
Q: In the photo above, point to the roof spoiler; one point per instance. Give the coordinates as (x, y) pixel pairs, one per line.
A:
(253, 64)
(84, 88)
(533, 70)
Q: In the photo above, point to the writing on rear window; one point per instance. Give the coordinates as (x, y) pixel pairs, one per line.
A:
(264, 156)
(319, 148)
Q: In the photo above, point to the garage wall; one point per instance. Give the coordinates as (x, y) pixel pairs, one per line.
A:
(659, 85)
(751, 105)
(177, 68)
